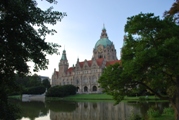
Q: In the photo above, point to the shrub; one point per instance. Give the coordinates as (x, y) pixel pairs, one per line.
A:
(61, 91)
(168, 111)
(135, 117)
(71, 89)
(35, 90)
(152, 113)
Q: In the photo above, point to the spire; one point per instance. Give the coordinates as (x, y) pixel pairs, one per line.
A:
(103, 33)
(64, 55)
(104, 26)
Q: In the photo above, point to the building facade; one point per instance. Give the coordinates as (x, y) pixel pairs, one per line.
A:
(84, 74)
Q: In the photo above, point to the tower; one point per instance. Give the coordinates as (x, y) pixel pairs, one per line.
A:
(104, 48)
(63, 65)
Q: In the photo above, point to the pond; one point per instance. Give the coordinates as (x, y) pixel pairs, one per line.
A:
(94, 110)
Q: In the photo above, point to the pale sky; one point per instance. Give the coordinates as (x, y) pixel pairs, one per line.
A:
(78, 32)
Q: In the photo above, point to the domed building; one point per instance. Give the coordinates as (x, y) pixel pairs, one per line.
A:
(84, 74)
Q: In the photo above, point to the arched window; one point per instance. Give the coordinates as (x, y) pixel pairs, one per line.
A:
(100, 56)
(94, 88)
(85, 89)
(77, 89)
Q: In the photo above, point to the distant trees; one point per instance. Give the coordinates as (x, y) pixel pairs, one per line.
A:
(31, 84)
(61, 91)
(46, 83)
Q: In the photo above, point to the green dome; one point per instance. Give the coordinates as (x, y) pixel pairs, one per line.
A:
(103, 41)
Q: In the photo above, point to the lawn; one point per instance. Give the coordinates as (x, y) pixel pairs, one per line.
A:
(106, 97)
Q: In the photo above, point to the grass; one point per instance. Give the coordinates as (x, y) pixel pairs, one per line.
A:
(15, 97)
(90, 97)
(103, 97)
(81, 97)
(164, 117)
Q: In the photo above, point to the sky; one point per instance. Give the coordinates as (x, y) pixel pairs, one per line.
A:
(79, 31)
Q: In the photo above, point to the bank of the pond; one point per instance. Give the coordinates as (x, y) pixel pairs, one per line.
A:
(19, 97)
(97, 97)
(102, 97)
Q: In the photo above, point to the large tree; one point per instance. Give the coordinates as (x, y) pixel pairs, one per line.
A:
(173, 11)
(150, 60)
(23, 28)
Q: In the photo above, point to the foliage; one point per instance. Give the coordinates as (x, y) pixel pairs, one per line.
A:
(46, 83)
(35, 90)
(153, 113)
(29, 82)
(61, 91)
(21, 42)
(135, 117)
(149, 60)
(8, 111)
(173, 11)
(168, 111)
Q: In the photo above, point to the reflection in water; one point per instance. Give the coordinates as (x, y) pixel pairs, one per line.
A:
(31, 109)
(61, 106)
(65, 110)
(96, 111)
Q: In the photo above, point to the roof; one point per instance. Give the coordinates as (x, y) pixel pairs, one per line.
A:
(112, 62)
(70, 70)
(64, 55)
(100, 61)
(104, 42)
(89, 62)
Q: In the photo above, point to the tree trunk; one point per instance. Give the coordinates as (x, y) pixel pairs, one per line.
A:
(177, 101)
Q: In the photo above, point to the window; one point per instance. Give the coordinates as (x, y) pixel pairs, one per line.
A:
(85, 89)
(94, 88)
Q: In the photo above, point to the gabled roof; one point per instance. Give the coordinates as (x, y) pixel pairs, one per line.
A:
(100, 61)
(70, 70)
(89, 62)
(81, 64)
(112, 62)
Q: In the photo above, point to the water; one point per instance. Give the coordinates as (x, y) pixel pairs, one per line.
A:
(96, 110)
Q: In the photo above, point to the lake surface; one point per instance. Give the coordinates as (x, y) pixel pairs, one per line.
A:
(94, 110)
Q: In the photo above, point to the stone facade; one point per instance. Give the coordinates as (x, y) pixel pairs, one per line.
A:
(84, 75)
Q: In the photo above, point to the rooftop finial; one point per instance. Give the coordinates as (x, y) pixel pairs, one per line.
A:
(104, 34)
(103, 26)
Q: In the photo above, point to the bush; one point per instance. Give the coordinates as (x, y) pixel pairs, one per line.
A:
(71, 89)
(135, 117)
(61, 91)
(35, 90)
(152, 113)
(168, 111)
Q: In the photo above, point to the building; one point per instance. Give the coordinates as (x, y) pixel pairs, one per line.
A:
(84, 74)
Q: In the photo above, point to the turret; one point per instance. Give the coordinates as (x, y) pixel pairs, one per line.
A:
(63, 64)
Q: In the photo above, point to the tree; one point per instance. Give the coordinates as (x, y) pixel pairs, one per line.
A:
(23, 28)
(173, 12)
(149, 60)
(46, 83)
